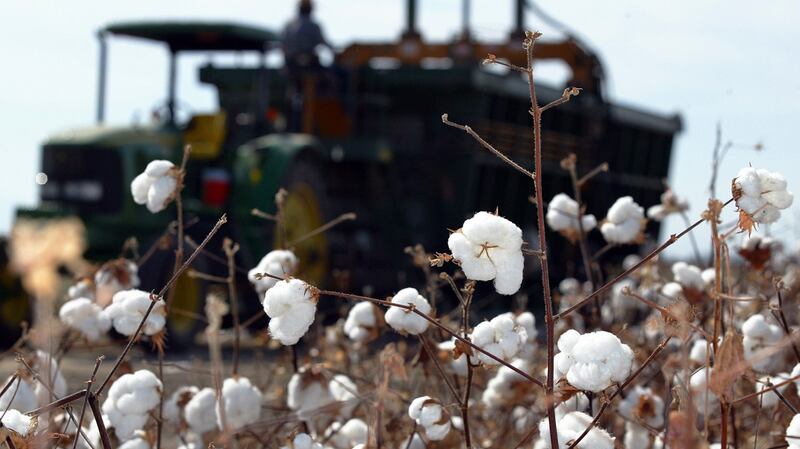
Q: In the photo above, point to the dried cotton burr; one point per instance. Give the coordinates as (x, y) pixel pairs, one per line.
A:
(562, 216)
(624, 222)
(240, 402)
(114, 276)
(404, 320)
(489, 247)
(291, 305)
(156, 186)
(570, 427)
(429, 414)
(592, 361)
(501, 337)
(279, 263)
(128, 308)
(761, 194)
(130, 400)
(86, 317)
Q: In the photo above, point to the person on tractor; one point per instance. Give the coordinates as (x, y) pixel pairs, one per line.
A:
(301, 38)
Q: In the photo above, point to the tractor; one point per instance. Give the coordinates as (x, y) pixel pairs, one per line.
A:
(368, 138)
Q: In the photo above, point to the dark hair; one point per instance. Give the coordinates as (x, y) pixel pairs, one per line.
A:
(305, 8)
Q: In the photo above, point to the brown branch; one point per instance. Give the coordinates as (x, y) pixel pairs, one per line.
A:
(85, 402)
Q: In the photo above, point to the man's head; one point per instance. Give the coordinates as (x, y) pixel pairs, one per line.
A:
(305, 7)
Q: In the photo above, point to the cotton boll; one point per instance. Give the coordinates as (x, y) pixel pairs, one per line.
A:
(175, 404)
(406, 321)
(23, 392)
(349, 434)
(699, 351)
(569, 287)
(698, 383)
(688, 275)
(361, 322)
(127, 309)
(578, 402)
(670, 204)
(56, 384)
(344, 390)
(489, 247)
(570, 427)
(114, 276)
(562, 216)
(624, 222)
(458, 365)
(86, 317)
(135, 443)
(760, 335)
(303, 441)
(793, 433)
(642, 404)
(129, 401)
(291, 306)
(501, 337)
(416, 443)
(279, 263)
(307, 392)
(18, 422)
(761, 194)
(770, 399)
(593, 361)
(431, 416)
(156, 186)
(200, 412)
(636, 436)
(709, 276)
(84, 288)
(506, 385)
(242, 403)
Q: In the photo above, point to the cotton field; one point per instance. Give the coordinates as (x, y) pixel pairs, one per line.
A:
(650, 353)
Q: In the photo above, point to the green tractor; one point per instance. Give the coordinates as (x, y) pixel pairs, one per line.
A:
(368, 139)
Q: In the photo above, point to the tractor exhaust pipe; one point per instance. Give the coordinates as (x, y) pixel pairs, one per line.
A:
(101, 77)
(519, 19)
(411, 20)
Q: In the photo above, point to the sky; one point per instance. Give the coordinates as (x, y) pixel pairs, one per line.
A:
(730, 62)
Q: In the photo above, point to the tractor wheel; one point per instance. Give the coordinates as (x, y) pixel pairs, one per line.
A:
(303, 212)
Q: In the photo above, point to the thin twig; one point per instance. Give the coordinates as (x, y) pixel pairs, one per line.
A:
(86, 401)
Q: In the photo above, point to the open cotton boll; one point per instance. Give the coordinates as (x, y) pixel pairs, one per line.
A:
(793, 433)
(406, 321)
(770, 399)
(501, 337)
(592, 361)
(344, 390)
(570, 427)
(447, 351)
(489, 247)
(18, 422)
(505, 387)
(760, 335)
(291, 306)
(201, 411)
(361, 322)
(242, 402)
(576, 403)
(709, 276)
(135, 443)
(636, 436)
(130, 400)
(431, 416)
(641, 404)
(86, 317)
(84, 288)
(699, 351)
(670, 204)
(155, 187)
(303, 441)
(347, 435)
(127, 309)
(624, 222)
(23, 393)
(416, 442)
(307, 391)
(562, 216)
(698, 383)
(175, 404)
(114, 276)
(761, 194)
(687, 275)
(280, 263)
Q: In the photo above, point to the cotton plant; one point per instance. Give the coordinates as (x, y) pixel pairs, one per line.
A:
(457, 361)
(759, 250)
(761, 343)
(112, 277)
(291, 305)
(770, 398)
(240, 402)
(404, 320)
(641, 405)
(701, 394)
(20, 395)
(489, 248)
(624, 222)
(592, 361)
(527, 321)
(570, 427)
(760, 195)
(309, 391)
(670, 204)
(21, 424)
(128, 308)
(86, 317)
(431, 417)
(504, 387)
(200, 412)
(156, 186)
(501, 337)
(687, 283)
(362, 323)
(175, 404)
(563, 215)
(130, 401)
(279, 263)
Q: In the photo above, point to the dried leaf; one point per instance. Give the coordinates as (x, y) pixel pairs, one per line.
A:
(746, 223)
(729, 366)
(461, 348)
(676, 318)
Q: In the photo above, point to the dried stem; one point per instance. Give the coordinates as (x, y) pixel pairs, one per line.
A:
(85, 402)
(340, 219)
(231, 249)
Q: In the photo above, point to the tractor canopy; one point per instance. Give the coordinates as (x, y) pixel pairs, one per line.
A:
(199, 36)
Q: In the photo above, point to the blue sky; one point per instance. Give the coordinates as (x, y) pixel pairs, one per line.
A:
(732, 62)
